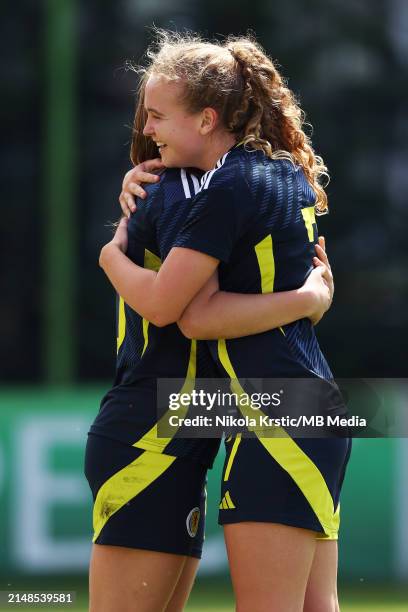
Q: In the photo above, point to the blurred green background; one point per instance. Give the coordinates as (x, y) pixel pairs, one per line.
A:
(45, 527)
(66, 108)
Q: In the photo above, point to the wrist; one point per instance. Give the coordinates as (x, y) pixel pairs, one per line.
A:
(308, 301)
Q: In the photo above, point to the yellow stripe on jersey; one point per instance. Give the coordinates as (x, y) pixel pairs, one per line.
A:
(151, 262)
(145, 325)
(232, 456)
(290, 457)
(150, 441)
(123, 486)
(121, 324)
(309, 218)
(266, 262)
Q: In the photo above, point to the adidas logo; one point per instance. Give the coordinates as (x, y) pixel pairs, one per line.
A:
(227, 503)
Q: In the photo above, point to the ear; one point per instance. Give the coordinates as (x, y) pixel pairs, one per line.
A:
(209, 120)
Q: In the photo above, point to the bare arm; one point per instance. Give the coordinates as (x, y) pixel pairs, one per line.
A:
(213, 314)
(159, 297)
(216, 314)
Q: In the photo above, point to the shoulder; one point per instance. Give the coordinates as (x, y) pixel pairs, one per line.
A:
(175, 184)
(171, 187)
(147, 210)
(285, 169)
(227, 174)
(287, 179)
(179, 184)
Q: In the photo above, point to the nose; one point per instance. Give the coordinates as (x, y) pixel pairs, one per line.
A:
(148, 128)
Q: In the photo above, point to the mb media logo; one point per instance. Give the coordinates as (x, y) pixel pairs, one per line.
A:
(192, 522)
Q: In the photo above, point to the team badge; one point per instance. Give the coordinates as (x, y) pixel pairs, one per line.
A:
(192, 522)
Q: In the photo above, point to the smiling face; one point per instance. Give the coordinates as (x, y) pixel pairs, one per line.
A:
(177, 132)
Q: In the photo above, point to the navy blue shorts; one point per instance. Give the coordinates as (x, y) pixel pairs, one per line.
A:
(145, 500)
(295, 482)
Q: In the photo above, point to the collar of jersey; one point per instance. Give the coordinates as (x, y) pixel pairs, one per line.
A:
(205, 179)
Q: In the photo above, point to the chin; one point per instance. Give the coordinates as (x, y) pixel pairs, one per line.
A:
(166, 160)
(177, 158)
(171, 161)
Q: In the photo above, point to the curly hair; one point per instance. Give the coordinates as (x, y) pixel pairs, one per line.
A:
(244, 86)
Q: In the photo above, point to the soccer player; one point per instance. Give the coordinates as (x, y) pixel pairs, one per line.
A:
(225, 110)
(148, 490)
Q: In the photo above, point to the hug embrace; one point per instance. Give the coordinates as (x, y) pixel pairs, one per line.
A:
(219, 273)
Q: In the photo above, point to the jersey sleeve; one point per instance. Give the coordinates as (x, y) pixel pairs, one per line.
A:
(142, 223)
(217, 219)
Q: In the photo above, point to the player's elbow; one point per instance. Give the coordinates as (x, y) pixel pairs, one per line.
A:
(191, 326)
(156, 316)
(160, 319)
(160, 316)
(163, 310)
(186, 329)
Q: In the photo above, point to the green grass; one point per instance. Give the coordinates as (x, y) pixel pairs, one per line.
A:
(216, 596)
(364, 597)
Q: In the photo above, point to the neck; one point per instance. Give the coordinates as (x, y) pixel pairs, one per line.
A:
(212, 152)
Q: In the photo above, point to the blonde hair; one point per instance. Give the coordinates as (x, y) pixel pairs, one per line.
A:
(243, 85)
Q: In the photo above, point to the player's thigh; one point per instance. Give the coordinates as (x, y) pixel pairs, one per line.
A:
(149, 512)
(321, 591)
(269, 565)
(184, 585)
(124, 579)
(276, 496)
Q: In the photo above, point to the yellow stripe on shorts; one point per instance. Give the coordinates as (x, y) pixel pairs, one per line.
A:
(226, 502)
(232, 456)
(150, 441)
(123, 486)
(229, 501)
(291, 458)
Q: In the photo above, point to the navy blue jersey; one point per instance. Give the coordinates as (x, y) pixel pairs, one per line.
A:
(256, 215)
(145, 352)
